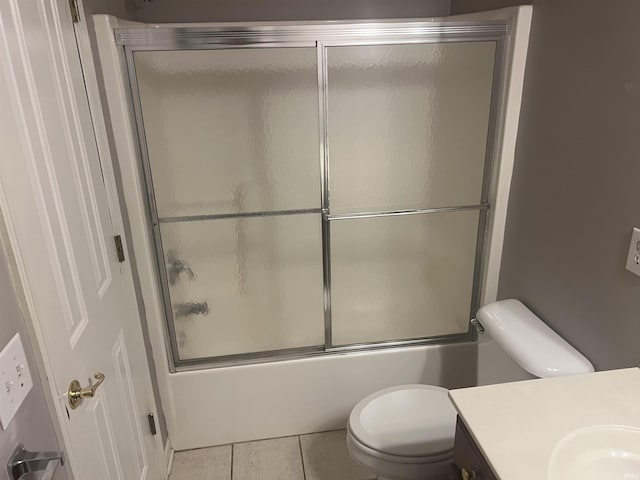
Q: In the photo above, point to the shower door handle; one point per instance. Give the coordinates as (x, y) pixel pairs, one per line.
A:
(177, 267)
(190, 308)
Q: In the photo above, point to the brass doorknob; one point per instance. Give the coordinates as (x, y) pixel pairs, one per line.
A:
(467, 474)
(76, 392)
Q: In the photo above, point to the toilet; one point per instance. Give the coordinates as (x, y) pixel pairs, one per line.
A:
(404, 432)
(407, 431)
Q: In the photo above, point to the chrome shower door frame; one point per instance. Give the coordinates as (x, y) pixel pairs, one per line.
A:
(320, 36)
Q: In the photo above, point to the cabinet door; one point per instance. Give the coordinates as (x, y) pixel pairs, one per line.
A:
(468, 462)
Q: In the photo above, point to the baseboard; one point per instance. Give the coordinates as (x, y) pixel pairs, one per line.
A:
(169, 453)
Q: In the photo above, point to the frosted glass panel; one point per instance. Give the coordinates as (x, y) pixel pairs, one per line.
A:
(408, 124)
(245, 285)
(231, 130)
(402, 277)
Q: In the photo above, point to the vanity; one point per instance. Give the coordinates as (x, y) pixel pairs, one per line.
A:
(469, 461)
(583, 427)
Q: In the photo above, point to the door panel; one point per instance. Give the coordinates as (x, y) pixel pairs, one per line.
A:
(408, 124)
(239, 298)
(135, 455)
(402, 277)
(231, 131)
(110, 462)
(54, 201)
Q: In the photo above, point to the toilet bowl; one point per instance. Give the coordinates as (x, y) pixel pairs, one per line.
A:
(404, 432)
(407, 432)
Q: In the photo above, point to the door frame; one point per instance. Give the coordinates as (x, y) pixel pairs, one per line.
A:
(108, 160)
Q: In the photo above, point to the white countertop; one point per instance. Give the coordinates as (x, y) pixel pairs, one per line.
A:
(518, 425)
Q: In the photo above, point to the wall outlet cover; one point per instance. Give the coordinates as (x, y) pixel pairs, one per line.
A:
(633, 259)
(15, 380)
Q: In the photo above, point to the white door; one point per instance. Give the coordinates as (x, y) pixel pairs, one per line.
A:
(56, 209)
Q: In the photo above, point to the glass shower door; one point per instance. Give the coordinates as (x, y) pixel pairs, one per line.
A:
(313, 191)
(407, 130)
(233, 162)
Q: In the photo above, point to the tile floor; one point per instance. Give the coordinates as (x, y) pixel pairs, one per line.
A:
(316, 456)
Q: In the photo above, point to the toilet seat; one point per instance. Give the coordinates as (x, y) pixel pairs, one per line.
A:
(406, 422)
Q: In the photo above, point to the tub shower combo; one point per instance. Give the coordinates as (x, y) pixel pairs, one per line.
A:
(316, 208)
(318, 188)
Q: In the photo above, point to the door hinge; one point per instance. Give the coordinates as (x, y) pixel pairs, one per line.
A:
(119, 248)
(75, 11)
(152, 424)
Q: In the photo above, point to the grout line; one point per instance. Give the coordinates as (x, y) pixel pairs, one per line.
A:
(261, 440)
(231, 467)
(267, 439)
(304, 473)
(325, 431)
(203, 448)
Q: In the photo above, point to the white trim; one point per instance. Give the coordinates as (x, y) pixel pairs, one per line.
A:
(169, 454)
(97, 116)
(520, 19)
(105, 154)
(494, 365)
(134, 196)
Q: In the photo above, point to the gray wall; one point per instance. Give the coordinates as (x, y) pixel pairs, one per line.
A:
(280, 10)
(575, 194)
(32, 424)
(120, 8)
(471, 6)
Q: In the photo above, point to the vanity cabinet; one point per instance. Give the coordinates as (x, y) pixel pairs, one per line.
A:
(468, 461)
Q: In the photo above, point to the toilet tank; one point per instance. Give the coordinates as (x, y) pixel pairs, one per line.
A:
(530, 342)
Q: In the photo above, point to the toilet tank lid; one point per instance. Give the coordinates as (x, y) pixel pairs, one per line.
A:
(530, 342)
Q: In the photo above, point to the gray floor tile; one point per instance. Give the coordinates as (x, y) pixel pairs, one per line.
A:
(203, 464)
(326, 457)
(277, 459)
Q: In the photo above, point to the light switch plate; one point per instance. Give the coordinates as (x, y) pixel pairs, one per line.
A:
(15, 380)
(633, 259)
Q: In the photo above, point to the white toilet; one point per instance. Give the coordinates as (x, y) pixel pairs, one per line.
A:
(407, 432)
